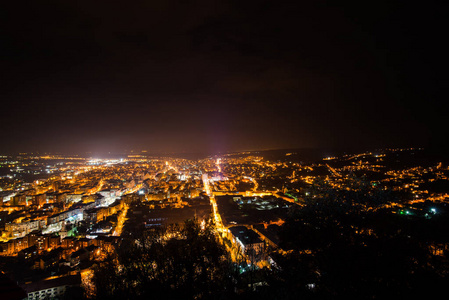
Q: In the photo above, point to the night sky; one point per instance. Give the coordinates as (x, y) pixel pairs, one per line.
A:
(210, 76)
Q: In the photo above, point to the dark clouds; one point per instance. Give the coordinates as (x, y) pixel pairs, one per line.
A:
(219, 75)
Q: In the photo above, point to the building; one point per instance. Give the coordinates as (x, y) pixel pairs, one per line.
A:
(5, 197)
(246, 239)
(52, 288)
(21, 229)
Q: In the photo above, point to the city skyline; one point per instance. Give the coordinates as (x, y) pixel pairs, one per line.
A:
(82, 227)
(204, 149)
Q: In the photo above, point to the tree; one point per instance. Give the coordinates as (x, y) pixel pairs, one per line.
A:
(173, 262)
(350, 247)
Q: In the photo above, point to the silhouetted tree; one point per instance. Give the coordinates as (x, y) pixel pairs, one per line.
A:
(173, 262)
(349, 246)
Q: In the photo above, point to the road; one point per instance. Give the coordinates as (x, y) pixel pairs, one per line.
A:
(333, 171)
(213, 203)
(121, 221)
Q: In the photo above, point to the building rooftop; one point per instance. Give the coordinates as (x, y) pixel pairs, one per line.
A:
(51, 283)
(245, 235)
